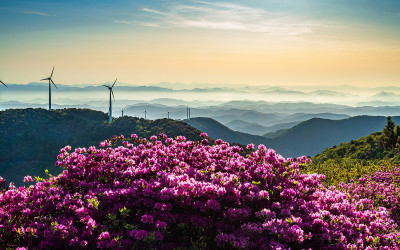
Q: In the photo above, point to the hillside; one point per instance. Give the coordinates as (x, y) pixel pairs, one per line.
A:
(356, 159)
(217, 130)
(313, 136)
(307, 138)
(31, 138)
(367, 149)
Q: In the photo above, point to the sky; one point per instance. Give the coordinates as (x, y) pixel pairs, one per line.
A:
(252, 42)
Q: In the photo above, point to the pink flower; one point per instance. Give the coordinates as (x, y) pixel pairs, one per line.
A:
(104, 235)
(28, 178)
(250, 146)
(204, 135)
(26, 211)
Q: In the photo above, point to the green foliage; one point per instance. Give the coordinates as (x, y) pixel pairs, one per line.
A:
(350, 161)
(345, 170)
(365, 150)
(389, 137)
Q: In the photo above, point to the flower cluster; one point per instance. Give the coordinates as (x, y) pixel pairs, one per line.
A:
(382, 187)
(171, 193)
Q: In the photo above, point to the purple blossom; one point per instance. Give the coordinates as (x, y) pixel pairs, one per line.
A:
(161, 224)
(147, 219)
(104, 236)
(204, 135)
(28, 178)
(138, 234)
(166, 193)
(250, 146)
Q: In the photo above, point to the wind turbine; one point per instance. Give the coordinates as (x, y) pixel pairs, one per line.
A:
(111, 93)
(145, 113)
(50, 81)
(123, 112)
(168, 114)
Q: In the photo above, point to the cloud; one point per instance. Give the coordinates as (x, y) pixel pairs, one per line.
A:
(150, 24)
(229, 16)
(124, 22)
(28, 12)
(138, 23)
(155, 11)
(36, 13)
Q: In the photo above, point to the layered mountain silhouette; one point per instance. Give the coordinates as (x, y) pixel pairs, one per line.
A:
(307, 138)
(32, 138)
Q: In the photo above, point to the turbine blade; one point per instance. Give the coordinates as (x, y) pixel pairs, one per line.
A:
(114, 82)
(106, 86)
(52, 72)
(3, 83)
(53, 84)
(44, 79)
(112, 92)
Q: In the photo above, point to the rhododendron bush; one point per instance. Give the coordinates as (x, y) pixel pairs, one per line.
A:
(169, 193)
(383, 187)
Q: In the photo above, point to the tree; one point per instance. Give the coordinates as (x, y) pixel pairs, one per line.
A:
(389, 137)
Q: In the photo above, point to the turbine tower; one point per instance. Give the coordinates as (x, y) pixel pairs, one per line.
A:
(123, 112)
(3, 83)
(50, 81)
(145, 113)
(111, 93)
(188, 113)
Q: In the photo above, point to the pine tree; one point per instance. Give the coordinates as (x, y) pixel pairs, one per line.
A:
(389, 137)
(397, 134)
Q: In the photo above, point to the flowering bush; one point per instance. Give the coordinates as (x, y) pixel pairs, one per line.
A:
(382, 187)
(166, 193)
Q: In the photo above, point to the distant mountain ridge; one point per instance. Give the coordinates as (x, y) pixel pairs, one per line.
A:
(216, 130)
(307, 138)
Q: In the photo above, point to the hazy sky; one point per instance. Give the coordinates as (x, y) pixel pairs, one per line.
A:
(280, 42)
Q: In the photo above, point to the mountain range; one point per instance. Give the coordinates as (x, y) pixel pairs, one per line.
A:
(257, 110)
(31, 138)
(307, 138)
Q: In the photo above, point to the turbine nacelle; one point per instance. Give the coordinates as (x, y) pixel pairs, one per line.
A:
(110, 88)
(50, 79)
